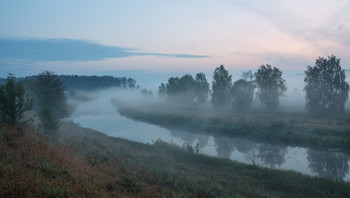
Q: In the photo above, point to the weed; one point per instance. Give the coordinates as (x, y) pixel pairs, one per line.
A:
(130, 183)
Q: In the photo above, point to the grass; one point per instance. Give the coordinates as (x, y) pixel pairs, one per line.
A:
(80, 162)
(292, 128)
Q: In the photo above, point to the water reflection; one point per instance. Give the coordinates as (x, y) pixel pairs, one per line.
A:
(191, 138)
(272, 156)
(332, 165)
(243, 146)
(101, 115)
(262, 154)
(224, 146)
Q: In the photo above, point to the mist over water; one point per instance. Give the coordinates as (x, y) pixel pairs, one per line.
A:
(293, 99)
(97, 112)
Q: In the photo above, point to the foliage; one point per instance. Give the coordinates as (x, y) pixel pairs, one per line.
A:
(75, 82)
(185, 90)
(202, 88)
(131, 83)
(147, 93)
(326, 88)
(181, 89)
(248, 76)
(49, 92)
(221, 86)
(162, 90)
(13, 101)
(187, 86)
(242, 94)
(48, 121)
(270, 84)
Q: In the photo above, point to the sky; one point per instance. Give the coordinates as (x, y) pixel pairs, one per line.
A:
(171, 37)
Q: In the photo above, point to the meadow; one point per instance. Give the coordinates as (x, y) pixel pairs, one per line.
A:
(80, 162)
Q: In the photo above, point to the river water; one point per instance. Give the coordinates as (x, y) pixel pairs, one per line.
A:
(99, 114)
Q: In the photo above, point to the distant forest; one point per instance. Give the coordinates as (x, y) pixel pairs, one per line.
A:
(75, 82)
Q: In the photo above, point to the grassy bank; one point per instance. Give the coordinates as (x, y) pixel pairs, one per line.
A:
(80, 162)
(291, 128)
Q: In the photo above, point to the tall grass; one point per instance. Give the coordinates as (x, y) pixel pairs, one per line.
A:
(84, 163)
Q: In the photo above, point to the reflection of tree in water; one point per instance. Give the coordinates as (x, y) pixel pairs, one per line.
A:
(332, 165)
(248, 148)
(189, 138)
(272, 156)
(184, 136)
(243, 146)
(268, 155)
(224, 146)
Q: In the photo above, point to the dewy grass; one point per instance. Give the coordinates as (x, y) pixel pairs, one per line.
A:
(81, 162)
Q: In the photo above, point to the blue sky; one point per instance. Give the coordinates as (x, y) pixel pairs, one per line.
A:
(183, 36)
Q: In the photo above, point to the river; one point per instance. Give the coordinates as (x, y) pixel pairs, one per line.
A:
(99, 114)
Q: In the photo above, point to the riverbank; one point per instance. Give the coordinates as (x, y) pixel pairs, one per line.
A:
(297, 129)
(83, 162)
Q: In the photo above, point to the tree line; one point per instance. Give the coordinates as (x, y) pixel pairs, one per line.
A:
(46, 94)
(325, 87)
(78, 82)
(75, 82)
(186, 89)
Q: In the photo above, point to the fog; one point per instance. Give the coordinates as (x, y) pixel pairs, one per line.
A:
(100, 110)
(292, 101)
(144, 116)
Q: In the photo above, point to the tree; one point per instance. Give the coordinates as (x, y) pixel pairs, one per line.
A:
(48, 121)
(49, 92)
(270, 84)
(185, 89)
(13, 102)
(172, 87)
(131, 83)
(242, 94)
(202, 88)
(325, 86)
(162, 90)
(221, 86)
(181, 90)
(146, 93)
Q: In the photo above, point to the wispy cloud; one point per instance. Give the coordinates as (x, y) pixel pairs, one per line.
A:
(69, 50)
